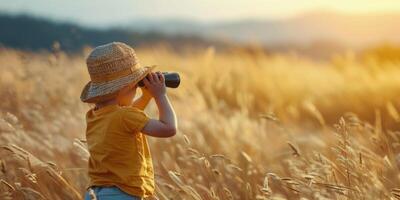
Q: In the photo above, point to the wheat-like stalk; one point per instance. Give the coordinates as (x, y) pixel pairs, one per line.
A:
(256, 126)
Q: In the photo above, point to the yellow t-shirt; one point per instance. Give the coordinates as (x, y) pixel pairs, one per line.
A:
(119, 152)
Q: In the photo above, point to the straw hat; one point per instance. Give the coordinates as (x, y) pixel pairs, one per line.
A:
(111, 67)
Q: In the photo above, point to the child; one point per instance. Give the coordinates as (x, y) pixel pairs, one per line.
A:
(120, 165)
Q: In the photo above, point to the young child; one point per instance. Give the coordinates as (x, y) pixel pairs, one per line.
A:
(120, 165)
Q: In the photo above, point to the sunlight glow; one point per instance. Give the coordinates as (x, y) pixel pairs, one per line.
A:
(106, 12)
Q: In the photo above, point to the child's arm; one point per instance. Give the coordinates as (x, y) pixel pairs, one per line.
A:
(143, 100)
(166, 125)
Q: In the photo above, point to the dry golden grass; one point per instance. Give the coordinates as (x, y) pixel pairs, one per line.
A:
(251, 126)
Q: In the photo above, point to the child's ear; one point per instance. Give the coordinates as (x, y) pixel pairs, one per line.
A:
(123, 91)
(119, 95)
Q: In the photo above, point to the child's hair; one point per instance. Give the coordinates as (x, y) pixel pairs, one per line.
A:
(100, 103)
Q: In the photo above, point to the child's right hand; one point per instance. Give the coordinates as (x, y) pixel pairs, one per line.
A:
(166, 125)
(155, 84)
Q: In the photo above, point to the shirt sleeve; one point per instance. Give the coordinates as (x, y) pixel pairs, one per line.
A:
(134, 119)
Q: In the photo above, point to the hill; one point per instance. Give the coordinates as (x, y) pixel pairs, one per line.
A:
(32, 33)
(351, 30)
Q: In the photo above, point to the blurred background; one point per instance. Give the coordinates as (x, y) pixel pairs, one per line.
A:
(315, 28)
(287, 99)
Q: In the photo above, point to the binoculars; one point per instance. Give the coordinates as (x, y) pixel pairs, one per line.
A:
(172, 80)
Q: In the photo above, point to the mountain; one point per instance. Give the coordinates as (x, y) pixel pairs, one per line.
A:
(318, 34)
(354, 30)
(32, 33)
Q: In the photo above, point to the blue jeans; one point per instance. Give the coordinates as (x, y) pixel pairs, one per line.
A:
(110, 193)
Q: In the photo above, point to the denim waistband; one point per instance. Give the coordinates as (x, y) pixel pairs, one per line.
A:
(109, 193)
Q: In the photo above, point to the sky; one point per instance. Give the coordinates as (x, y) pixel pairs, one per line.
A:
(108, 12)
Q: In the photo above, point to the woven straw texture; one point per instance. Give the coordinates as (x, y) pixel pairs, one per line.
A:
(111, 67)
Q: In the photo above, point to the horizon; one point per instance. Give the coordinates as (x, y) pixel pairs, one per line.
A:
(82, 13)
(196, 20)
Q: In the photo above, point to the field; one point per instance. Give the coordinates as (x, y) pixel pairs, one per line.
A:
(251, 126)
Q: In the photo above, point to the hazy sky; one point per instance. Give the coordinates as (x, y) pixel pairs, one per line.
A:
(104, 12)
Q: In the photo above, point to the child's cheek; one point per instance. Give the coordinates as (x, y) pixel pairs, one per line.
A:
(130, 97)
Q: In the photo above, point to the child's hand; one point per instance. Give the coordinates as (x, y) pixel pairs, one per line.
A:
(155, 84)
(145, 92)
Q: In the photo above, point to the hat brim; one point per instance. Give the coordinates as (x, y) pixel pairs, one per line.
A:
(95, 92)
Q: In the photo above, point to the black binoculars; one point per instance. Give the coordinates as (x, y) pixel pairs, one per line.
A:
(172, 80)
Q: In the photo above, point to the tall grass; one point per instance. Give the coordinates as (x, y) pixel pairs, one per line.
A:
(251, 126)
